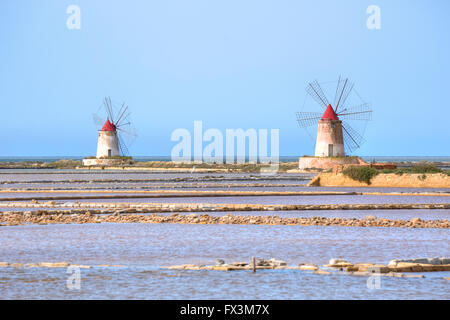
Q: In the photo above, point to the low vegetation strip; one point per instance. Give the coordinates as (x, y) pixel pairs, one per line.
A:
(366, 173)
(417, 168)
(128, 164)
(37, 217)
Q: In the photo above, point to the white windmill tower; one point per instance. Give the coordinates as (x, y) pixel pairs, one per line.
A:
(108, 141)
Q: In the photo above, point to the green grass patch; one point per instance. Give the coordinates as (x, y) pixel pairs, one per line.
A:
(360, 173)
(421, 168)
(422, 177)
(365, 174)
(424, 168)
(117, 157)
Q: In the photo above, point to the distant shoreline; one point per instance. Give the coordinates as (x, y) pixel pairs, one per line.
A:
(169, 166)
(445, 159)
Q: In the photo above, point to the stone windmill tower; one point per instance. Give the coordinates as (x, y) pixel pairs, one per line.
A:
(335, 136)
(330, 140)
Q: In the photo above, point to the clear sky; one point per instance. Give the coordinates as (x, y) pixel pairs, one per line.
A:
(232, 64)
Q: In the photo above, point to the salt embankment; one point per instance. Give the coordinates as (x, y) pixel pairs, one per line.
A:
(42, 217)
(395, 268)
(148, 207)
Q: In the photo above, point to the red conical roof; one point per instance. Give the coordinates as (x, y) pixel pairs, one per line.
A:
(108, 126)
(329, 114)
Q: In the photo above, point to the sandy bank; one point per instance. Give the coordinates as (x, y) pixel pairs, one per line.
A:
(408, 180)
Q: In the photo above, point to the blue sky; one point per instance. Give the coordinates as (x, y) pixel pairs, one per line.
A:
(231, 64)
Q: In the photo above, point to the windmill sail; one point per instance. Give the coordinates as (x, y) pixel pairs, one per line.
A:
(360, 112)
(98, 121)
(108, 108)
(343, 89)
(352, 139)
(123, 147)
(316, 92)
(308, 119)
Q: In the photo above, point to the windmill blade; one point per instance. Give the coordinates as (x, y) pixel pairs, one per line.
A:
(361, 112)
(352, 139)
(108, 109)
(344, 87)
(111, 109)
(124, 120)
(338, 89)
(123, 124)
(129, 134)
(105, 103)
(122, 146)
(98, 121)
(121, 113)
(308, 119)
(315, 91)
(128, 131)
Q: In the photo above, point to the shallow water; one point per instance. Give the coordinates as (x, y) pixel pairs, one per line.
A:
(301, 199)
(153, 283)
(143, 248)
(159, 244)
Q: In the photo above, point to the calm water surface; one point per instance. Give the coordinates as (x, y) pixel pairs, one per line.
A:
(303, 199)
(144, 248)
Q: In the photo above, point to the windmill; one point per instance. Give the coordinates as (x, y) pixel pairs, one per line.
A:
(340, 125)
(116, 132)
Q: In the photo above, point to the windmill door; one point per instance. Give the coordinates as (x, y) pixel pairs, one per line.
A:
(330, 150)
(109, 152)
